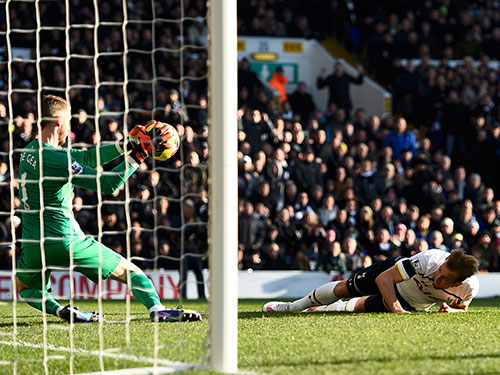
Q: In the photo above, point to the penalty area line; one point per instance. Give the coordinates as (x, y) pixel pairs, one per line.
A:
(172, 366)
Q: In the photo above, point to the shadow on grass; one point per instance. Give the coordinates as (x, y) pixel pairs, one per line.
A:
(407, 359)
(19, 324)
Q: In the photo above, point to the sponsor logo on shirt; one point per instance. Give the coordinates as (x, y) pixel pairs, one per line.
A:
(416, 264)
(76, 168)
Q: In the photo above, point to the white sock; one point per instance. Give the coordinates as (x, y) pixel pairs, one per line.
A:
(351, 304)
(59, 310)
(336, 306)
(320, 296)
(156, 308)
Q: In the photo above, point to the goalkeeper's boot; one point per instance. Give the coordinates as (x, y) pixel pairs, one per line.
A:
(78, 315)
(275, 306)
(175, 315)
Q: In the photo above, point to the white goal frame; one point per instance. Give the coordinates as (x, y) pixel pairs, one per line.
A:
(223, 177)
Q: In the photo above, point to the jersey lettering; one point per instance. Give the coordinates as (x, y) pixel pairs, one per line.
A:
(24, 192)
(30, 159)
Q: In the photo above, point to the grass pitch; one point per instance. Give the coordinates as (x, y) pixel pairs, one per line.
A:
(270, 343)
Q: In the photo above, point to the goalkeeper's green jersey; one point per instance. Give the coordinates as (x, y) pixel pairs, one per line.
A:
(61, 171)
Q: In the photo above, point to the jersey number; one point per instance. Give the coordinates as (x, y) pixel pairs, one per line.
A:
(24, 192)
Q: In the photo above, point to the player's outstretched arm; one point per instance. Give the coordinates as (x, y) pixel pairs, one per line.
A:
(386, 282)
(107, 153)
(109, 181)
(142, 146)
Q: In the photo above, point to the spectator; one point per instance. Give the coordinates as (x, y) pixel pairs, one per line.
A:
(195, 239)
(474, 189)
(384, 247)
(257, 128)
(247, 79)
(400, 139)
(482, 251)
(302, 102)
(251, 230)
(308, 172)
(332, 259)
(409, 245)
(421, 245)
(366, 227)
(399, 235)
(494, 263)
(338, 86)
(447, 229)
(453, 125)
(423, 224)
(313, 234)
(288, 235)
(328, 211)
(386, 220)
(354, 257)
(273, 259)
(278, 82)
(435, 241)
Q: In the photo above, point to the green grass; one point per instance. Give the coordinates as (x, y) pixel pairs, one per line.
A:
(309, 343)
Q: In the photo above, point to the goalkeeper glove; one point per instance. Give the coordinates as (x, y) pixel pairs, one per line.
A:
(149, 140)
(140, 142)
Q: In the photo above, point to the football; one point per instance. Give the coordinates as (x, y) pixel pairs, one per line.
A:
(165, 139)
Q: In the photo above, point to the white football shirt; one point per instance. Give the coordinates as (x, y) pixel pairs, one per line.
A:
(418, 274)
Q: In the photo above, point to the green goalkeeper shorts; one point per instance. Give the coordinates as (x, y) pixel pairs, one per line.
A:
(85, 259)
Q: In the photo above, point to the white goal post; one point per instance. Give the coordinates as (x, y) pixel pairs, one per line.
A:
(222, 173)
(223, 192)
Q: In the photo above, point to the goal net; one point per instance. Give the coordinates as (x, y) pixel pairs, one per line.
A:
(118, 63)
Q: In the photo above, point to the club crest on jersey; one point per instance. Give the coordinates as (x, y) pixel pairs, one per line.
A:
(76, 168)
(416, 264)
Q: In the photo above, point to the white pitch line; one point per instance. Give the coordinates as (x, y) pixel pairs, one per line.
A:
(178, 366)
(139, 371)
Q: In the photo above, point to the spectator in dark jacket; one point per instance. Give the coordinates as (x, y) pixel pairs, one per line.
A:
(308, 173)
(338, 86)
(453, 125)
(251, 230)
(332, 259)
(302, 102)
(247, 79)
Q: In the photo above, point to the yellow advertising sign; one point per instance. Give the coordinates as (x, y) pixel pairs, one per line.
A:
(292, 47)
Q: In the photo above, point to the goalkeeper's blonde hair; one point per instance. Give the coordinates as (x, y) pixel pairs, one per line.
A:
(51, 106)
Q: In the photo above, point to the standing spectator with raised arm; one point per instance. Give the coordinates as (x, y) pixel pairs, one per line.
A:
(338, 86)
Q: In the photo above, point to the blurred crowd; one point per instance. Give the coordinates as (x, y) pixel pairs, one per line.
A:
(332, 190)
(319, 193)
(438, 168)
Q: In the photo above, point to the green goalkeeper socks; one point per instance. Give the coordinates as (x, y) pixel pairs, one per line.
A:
(34, 298)
(143, 290)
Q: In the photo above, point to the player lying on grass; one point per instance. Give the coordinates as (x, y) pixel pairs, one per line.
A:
(397, 285)
(63, 238)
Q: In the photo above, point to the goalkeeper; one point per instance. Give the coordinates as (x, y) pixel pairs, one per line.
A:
(62, 237)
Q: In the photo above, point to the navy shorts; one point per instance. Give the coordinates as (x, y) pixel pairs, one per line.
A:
(362, 283)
